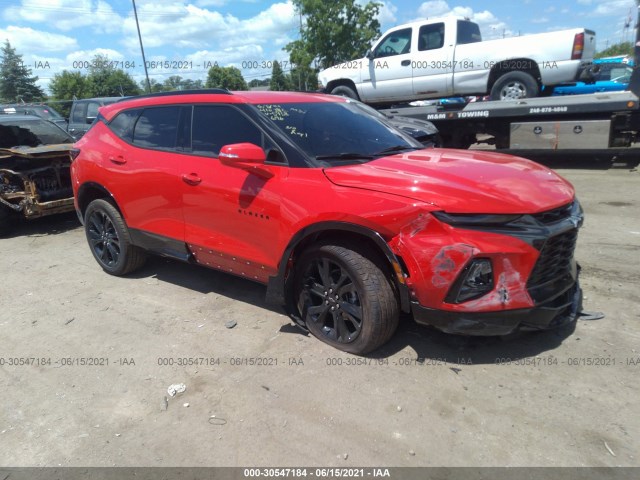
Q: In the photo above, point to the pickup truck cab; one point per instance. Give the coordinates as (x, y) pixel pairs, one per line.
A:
(447, 57)
(84, 112)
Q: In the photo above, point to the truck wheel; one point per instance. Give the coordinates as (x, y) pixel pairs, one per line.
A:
(345, 299)
(109, 239)
(513, 86)
(345, 91)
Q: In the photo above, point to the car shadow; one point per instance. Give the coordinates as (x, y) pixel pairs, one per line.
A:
(430, 344)
(205, 280)
(37, 227)
(426, 343)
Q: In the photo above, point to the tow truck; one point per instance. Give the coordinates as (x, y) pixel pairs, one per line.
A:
(600, 123)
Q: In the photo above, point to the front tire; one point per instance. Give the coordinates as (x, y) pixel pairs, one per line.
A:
(345, 299)
(109, 239)
(514, 86)
(345, 91)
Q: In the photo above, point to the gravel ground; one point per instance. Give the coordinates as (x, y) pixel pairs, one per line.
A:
(103, 351)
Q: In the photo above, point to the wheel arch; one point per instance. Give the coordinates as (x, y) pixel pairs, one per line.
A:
(90, 191)
(279, 289)
(345, 82)
(507, 66)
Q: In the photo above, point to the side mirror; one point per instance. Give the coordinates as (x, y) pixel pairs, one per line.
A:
(369, 55)
(246, 156)
(90, 120)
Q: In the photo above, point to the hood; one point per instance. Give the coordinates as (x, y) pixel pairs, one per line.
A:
(39, 151)
(461, 181)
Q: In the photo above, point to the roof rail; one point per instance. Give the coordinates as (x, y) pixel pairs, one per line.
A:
(182, 92)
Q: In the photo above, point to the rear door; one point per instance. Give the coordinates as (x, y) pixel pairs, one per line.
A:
(432, 62)
(143, 168)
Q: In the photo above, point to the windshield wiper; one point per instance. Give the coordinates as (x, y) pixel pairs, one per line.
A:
(345, 156)
(396, 148)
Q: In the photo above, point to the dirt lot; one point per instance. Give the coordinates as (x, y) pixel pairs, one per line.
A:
(566, 398)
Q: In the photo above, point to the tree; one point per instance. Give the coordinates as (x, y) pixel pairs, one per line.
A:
(334, 31)
(104, 80)
(225, 77)
(624, 48)
(302, 76)
(279, 81)
(259, 83)
(16, 82)
(67, 85)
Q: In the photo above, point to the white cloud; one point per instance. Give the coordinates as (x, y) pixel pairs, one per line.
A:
(540, 20)
(433, 8)
(197, 28)
(490, 26)
(387, 14)
(67, 15)
(34, 42)
(615, 7)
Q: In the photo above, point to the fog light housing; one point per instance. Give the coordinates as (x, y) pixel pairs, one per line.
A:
(475, 280)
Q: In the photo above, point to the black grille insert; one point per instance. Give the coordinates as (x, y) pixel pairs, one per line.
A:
(556, 259)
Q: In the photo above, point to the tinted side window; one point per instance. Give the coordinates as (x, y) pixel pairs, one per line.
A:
(157, 128)
(431, 37)
(92, 109)
(215, 126)
(122, 125)
(79, 113)
(468, 32)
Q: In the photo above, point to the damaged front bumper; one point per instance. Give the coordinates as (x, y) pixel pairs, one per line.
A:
(562, 310)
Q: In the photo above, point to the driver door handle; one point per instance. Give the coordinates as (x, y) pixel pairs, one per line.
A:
(118, 160)
(191, 179)
(405, 63)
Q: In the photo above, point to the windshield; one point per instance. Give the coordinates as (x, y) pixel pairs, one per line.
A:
(31, 133)
(337, 132)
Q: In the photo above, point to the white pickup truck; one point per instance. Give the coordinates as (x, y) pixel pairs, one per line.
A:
(446, 57)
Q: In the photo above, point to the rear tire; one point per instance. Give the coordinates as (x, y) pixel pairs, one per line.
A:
(514, 86)
(345, 299)
(109, 239)
(345, 91)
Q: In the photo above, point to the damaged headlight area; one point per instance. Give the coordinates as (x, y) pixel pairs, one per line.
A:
(475, 280)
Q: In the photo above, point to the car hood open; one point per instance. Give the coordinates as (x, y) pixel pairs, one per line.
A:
(459, 181)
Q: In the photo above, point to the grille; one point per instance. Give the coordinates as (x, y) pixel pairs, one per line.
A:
(555, 259)
(555, 215)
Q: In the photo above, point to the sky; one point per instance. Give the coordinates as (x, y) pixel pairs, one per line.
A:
(187, 37)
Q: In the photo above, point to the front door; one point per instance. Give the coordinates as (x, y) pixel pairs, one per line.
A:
(231, 215)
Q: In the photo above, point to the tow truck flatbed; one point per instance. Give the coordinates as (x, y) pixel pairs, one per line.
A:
(600, 121)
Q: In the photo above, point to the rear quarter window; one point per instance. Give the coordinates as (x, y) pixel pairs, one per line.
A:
(157, 128)
(122, 125)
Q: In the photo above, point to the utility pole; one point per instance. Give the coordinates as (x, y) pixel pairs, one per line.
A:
(144, 61)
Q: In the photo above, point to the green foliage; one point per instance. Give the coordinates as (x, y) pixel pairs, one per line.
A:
(624, 48)
(279, 81)
(16, 82)
(334, 32)
(225, 77)
(259, 83)
(67, 85)
(104, 80)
